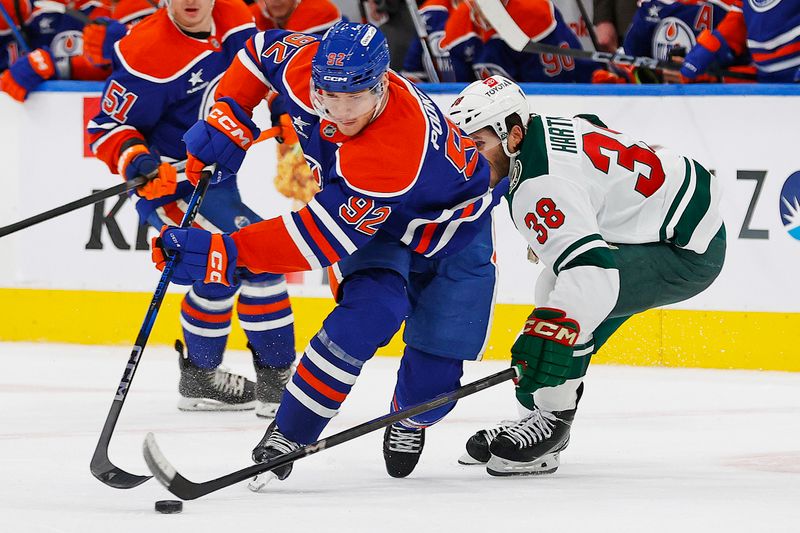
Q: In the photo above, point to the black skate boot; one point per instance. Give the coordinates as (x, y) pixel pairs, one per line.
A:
(533, 445)
(478, 444)
(402, 448)
(272, 445)
(212, 390)
(270, 383)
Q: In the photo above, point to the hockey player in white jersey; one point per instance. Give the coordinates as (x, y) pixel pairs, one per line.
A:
(619, 226)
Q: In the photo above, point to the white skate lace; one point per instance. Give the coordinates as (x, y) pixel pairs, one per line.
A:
(226, 381)
(491, 433)
(278, 442)
(404, 441)
(534, 428)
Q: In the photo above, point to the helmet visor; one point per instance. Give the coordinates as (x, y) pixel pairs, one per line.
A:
(339, 107)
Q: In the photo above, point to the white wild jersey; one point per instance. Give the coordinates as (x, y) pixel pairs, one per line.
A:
(578, 187)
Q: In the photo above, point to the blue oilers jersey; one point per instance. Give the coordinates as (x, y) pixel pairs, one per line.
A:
(430, 191)
(434, 14)
(660, 26)
(543, 23)
(773, 37)
(60, 32)
(155, 97)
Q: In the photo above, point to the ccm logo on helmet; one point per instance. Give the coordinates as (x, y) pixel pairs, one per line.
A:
(231, 126)
(552, 331)
(334, 78)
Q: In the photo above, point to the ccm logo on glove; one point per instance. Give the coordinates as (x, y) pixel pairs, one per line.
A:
(549, 330)
(232, 128)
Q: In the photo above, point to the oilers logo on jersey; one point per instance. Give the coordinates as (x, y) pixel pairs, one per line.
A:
(669, 34)
(761, 6)
(67, 44)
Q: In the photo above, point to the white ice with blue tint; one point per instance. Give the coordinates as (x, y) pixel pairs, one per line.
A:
(652, 450)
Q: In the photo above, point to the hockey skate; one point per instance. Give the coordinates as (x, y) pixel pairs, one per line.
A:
(272, 445)
(533, 445)
(270, 383)
(402, 448)
(212, 390)
(478, 444)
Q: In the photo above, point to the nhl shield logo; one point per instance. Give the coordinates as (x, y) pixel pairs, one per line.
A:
(329, 130)
(516, 174)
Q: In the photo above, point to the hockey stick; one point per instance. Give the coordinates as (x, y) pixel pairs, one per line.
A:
(514, 37)
(589, 24)
(23, 44)
(72, 206)
(101, 466)
(107, 193)
(437, 66)
(189, 490)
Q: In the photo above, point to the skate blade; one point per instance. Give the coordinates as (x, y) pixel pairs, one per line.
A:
(206, 404)
(260, 482)
(266, 409)
(547, 464)
(468, 460)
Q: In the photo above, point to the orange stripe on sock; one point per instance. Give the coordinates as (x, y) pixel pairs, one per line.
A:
(263, 309)
(319, 386)
(205, 317)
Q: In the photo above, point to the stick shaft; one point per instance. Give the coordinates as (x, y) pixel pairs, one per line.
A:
(72, 206)
(188, 490)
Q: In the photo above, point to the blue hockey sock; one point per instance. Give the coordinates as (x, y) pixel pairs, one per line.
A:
(206, 320)
(373, 305)
(422, 377)
(265, 315)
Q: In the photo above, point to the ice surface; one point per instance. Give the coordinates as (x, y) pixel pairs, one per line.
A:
(652, 450)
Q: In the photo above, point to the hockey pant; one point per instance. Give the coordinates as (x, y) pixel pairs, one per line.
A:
(263, 306)
(651, 275)
(446, 304)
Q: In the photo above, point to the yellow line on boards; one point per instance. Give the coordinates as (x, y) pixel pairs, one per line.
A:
(703, 339)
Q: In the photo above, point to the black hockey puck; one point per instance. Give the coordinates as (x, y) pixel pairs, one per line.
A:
(169, 506)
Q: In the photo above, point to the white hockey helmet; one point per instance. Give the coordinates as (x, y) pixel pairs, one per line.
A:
(487, 103)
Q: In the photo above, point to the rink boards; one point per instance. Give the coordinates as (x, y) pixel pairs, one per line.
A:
(86, 277)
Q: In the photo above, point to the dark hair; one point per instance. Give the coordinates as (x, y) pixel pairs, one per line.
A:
(514, 120)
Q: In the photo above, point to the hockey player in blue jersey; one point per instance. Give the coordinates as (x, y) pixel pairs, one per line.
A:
(434, 14)
(407, 226)
(662, 29)
(148, 103)
(661, 26)
(468, 30)
(768, 29)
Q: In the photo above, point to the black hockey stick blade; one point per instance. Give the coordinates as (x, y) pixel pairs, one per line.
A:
(184, 489)
(101, 466)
